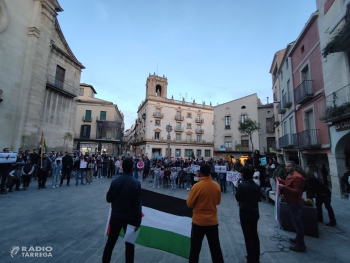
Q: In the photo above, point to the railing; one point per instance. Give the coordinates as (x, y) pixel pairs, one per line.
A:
(179, 118)
(284, 141)
(286, 100)
(109, 138)
(304, 92)
(87, 119)
(307, 138)
(199, 120)
(281, 110)
(336, 104)
(179, 129)
(227, 127)
(158, 115)
(62, 85)
(199, 130)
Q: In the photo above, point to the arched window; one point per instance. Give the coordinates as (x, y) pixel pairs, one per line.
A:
(158, 90)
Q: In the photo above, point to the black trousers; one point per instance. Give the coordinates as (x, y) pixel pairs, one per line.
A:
(115, 226)
(65, 172)
(16, 182)
(26, 180)
(4, 175)
(42, 178)
(249, 224)
(197, 235)
(326, 200)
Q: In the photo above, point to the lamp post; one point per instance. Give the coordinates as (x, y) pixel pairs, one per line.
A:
(168, 129)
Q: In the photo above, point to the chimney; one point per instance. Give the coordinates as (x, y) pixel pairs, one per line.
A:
(267, 98)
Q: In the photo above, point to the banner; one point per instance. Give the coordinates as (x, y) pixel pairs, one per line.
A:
(233, 177)
(43, 148)
(83, 165)
(263, 161)
(277, 202)
(8, 157)
(220, 169)
(195, 168)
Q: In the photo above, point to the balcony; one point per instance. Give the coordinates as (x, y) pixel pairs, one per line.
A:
(179, 118)
(109, 130)
(307, 139)
(285, 141)
(227, 127)
(340, 42)
(61, 86)
(336, 106)
(287, 100)
(144, 116)
(281, 110)
(158, 115)
(199, 131)
(87, 119)
(304, 92)
(178, 129)
(116, 119)
(199, 120)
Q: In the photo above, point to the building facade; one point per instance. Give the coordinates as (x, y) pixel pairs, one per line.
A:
(192, 124)
(267, 140)
(334, 110)
(311, 137)
(227, 139)
(286, 108)
(99, 125)
(276, 63)
(39, 76)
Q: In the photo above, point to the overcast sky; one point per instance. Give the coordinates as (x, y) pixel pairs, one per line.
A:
(215, 51)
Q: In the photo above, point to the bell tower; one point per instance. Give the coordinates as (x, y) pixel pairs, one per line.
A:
(156, 86)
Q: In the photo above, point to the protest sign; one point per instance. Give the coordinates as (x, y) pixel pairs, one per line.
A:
(220, 169)
(195, 168)
(8, 157)
(233, 177)
(263, 161)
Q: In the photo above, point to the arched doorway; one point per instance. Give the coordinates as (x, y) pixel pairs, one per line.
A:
(158, 90)
(342, 156)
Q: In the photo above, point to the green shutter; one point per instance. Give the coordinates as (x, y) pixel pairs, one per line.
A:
(102, 115)
(88, 115)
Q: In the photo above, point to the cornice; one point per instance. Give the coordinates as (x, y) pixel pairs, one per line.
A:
(59, 51)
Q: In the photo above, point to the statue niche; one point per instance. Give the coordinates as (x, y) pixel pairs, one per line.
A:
(158, 91)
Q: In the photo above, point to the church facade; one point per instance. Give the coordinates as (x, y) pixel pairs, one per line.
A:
(192, 132)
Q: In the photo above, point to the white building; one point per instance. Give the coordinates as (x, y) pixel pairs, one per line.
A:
(192, 124)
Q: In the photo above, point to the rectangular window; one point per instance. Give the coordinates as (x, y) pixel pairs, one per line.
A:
(288, 86)
(198, 117)
(305, 73)
(88, 115)
(207, 153)
(178, 114)
(227, 122)
(85, 131)
(157, 123)
(178, 137)
(81, 91)
(177, 152)
(199, 153)
(156, 135)
(188, 153)
(178, 126)
(103, 115)
(269, 126)
(245, 143)
(59, 78)
(92, 94)
(188, 137)
(244, 117)
(302, 49)
(228, 141)
(199, 138)
(188, 126)
(287, 63)
(189, 115)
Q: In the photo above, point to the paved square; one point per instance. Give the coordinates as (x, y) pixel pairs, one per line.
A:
(72, 221)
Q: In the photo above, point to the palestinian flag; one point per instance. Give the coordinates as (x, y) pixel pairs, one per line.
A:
(166, 224)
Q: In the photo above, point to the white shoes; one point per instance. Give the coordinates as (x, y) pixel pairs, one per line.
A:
(53, 187)
(188, 189)
(57, 186)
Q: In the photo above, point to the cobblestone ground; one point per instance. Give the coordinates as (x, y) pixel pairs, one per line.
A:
(72, 221)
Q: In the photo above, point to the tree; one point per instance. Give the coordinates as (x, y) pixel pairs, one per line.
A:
(238, 147)
(248, 127)
(67, 137)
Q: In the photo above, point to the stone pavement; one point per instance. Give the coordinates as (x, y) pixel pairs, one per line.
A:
(72, 221)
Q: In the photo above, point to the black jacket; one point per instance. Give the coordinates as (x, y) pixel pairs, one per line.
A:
(248, 196)
(125, 196)
(67, 160)
(317, 187)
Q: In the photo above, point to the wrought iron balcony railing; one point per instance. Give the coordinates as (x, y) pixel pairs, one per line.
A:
(285, 141)
(199, 131)
(199, 120)
(286, 100)
(158, 115)
(62, 86)
(336, 105)
(304, 92)
(281, 110)
(87, 119)
(307, 139)
(179, 117)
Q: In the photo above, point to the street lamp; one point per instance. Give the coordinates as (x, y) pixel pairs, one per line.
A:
(168, 129)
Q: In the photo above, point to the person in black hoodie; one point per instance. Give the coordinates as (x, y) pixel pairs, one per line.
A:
(248, 196)
(67, 164)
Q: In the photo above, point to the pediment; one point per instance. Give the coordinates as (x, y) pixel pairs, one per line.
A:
(157, 130)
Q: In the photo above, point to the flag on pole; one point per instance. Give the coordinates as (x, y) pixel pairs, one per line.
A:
(166, 224)
(43, 148)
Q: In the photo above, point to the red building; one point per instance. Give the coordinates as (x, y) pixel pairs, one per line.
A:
(311, 137)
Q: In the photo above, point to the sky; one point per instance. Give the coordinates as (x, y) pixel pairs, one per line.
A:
(212, 51)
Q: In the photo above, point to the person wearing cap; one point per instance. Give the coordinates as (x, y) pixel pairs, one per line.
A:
(203, 198)
(248, 196)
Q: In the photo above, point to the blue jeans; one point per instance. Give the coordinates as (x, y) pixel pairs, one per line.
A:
(296, 213)
(136, 174)
(117, 171)
(223, 183)
(81, 173)
(55, 179)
